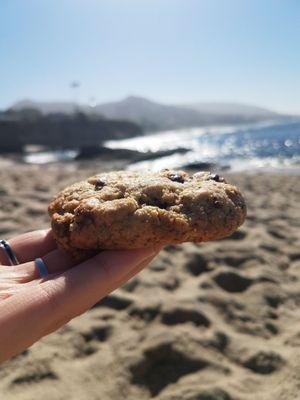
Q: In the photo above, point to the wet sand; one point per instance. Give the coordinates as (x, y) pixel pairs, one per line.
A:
(214, 321)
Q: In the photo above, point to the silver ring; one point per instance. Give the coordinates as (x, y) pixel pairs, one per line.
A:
(39, 263)
(13, 260)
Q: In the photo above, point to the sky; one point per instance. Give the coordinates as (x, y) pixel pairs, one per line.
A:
(173, 51)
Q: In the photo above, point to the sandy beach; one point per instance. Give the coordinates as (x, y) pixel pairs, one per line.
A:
(212, 321)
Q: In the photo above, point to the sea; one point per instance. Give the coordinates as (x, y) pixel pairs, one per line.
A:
(266, 146)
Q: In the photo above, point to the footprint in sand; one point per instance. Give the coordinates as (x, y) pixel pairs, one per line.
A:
(197, 264)
(237, 260)
(232, 282)
(264, 362)
(213, 393)
(114, 301)
(171, 283)
(218, 341)
(277, 233)
(181, 315)
(98, 333)
(272, 328)
(163, 365)
(274, 300)
(237, 235)
(173, 248)
(37, 372)
(145, 312)
(131, 285)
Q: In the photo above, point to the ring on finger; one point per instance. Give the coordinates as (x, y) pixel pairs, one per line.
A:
(41, 267)
(10, 254)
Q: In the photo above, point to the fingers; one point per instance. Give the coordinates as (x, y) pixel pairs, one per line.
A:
(30, 245)
(55, 261)
(13, 289)
(14, 279)
(11, 275)
(49, 305)
(82, 286)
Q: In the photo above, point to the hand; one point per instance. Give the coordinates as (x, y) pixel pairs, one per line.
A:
(31, 307)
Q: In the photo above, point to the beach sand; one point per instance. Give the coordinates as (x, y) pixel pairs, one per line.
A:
(212, 321)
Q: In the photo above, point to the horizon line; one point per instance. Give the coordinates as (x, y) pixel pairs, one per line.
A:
(162, 102)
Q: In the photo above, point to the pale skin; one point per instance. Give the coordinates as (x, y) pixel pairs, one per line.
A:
(31, 307)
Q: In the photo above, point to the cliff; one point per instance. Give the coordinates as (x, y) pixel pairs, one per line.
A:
(59, 131)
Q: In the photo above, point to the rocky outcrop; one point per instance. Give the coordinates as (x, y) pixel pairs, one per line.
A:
(61, 131)
(10, 137)
(87, 152)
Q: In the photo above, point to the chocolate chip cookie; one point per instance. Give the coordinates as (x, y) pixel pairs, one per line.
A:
(126, 210)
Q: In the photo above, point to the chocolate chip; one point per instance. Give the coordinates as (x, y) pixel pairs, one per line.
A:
(176, 178)
(216, 177)
(217, 204)
(100, 183)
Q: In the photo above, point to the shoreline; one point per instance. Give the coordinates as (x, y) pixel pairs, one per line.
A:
(133, 160)
(260, 148)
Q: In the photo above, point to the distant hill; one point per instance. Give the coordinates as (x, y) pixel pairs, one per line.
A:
(155, 116)
(222, 108)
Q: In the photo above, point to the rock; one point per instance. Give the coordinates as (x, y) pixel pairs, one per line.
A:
(199, 166)
(95, 150)
(62, 132)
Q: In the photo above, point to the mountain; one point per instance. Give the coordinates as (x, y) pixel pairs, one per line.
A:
(222, 108)
(156, 116)
(152, 115)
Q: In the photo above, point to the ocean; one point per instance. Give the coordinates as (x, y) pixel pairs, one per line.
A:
(264, 146)
(238, 148)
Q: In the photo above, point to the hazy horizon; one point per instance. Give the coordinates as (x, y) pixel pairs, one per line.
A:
(195, 102)
(170, 51)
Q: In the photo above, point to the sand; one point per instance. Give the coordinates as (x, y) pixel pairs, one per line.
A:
(214, 321)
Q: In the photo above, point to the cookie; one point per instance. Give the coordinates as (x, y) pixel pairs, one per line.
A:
(127, 210)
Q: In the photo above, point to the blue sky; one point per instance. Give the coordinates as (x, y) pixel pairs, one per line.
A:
(173, 51)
